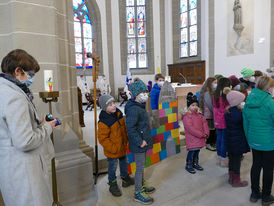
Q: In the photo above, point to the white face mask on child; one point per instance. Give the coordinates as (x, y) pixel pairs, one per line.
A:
(143, 97)
(161, 84)
(252, 79)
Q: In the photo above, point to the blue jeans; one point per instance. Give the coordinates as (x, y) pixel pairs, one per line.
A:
(192, 155)
(112, 167)
(221, 143)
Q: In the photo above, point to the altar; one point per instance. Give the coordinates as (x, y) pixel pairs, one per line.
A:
(181, 91)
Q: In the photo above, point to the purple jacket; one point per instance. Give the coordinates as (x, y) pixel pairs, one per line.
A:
(219, 113)
(195, 128)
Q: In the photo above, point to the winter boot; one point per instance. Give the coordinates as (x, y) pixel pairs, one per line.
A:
(195, 163)
(255, 196)
(189, 167)
(148, 189)
(127, 181)
(230, 179)
(237, 182)
(143, 198)
(114, 189)
(267, 201)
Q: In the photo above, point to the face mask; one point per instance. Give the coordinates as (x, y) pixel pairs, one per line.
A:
(237, 88)
(143, 97)
(214, 86)
(28, 82)
(161, 84)
(252, 79)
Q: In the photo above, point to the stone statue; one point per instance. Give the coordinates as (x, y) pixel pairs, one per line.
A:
(237, 8)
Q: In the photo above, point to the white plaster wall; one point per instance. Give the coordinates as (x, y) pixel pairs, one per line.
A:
(261, 57)
(102, 8)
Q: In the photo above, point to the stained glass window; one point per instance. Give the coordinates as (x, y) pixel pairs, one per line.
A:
(136, 33)
(188, 28)
(83, 34)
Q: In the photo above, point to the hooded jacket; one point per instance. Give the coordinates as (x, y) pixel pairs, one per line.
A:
(137, 126)
(196, 127)
(258, 115)
(112, 134)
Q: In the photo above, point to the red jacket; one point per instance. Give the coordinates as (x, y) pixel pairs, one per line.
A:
(195, 128)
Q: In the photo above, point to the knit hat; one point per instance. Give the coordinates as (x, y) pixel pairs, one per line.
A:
(234, 81)
(137, 87)
(218, 76)
(235, 98)
(190, 98)
(104, 101)
(247, 72)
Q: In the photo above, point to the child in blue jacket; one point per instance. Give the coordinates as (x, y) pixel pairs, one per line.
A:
(139, 137)
(236, 142)
(155, 92)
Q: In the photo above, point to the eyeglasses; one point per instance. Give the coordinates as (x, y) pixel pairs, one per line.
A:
(31, 74)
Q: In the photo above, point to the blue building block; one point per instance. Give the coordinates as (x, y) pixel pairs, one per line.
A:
(163, 154)
(166, 135)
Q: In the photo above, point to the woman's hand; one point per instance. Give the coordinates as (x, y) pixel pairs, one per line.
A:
(52, 123)
(144, 143)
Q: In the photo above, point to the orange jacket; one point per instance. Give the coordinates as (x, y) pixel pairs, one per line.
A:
(112, 134)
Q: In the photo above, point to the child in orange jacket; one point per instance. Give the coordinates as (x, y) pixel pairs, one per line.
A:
(112, 135)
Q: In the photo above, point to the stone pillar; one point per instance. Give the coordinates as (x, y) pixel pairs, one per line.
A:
(44, 28)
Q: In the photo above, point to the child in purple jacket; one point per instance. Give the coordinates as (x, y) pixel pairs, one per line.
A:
(196, 133)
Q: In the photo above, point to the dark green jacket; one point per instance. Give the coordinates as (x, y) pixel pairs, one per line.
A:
(258, 117)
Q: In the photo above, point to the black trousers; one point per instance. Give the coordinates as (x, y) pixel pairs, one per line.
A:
(212, 137)
(265, 160)
(234, 162)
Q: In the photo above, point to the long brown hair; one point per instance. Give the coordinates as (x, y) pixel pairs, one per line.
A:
(207, 87)
(222, 83)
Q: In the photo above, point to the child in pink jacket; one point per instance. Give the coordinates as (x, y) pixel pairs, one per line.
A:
(220, 103)
(196, 133)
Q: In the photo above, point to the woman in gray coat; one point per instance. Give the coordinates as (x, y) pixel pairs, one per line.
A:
(23, 136)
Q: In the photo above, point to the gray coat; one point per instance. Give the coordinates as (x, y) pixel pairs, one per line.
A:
(23, 172)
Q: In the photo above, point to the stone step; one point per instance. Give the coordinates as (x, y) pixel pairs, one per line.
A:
(175, 186)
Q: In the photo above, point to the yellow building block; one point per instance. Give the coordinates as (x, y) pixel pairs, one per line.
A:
(156, 147)
(160, 106)
(175, 133)
(172, 117)
(133, 167)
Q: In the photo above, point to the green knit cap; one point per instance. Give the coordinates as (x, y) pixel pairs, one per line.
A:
(247, 72)
(218, 76)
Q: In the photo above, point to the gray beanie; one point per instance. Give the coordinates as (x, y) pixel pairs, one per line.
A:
(105, 100)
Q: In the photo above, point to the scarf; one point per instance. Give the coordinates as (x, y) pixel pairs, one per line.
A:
(19, 84)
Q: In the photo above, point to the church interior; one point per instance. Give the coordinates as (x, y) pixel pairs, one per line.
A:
(90, 48)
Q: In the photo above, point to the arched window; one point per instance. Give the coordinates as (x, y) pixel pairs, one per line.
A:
(136, 33)
(83, 34)
(188, 28)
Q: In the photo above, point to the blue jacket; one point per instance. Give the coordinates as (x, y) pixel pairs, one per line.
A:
(235, 137)
(258, 117)
(137, 126)
(154, 96)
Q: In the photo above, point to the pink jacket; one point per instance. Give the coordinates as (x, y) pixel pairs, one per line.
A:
(219, 113)
(195, 128)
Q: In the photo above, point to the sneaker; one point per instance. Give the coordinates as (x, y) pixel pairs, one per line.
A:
(143, 198)
(267, 201)
(210, 147)
(148, 189)
(254, 197)
(127, 181)
(114, 189)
